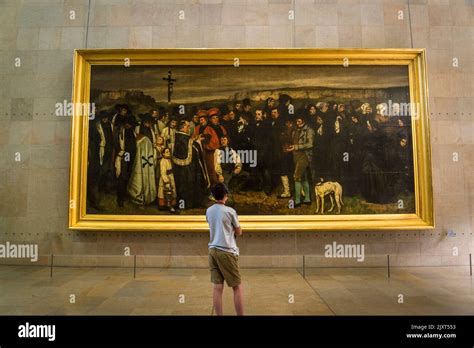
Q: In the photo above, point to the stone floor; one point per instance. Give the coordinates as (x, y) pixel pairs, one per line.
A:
(325, 291)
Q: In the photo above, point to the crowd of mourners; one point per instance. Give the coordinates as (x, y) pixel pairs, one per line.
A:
(172, 157)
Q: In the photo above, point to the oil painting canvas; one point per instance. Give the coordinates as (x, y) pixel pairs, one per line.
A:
(285, 140)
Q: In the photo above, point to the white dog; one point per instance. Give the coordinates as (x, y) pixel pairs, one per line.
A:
(331, 188)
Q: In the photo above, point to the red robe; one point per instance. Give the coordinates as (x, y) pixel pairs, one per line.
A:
(211, 144)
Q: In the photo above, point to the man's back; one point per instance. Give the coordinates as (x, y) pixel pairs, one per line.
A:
(222, 221)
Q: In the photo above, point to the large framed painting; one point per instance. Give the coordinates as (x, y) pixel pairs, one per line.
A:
(304, 139)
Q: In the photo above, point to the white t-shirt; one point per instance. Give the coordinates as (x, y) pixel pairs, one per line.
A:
(222, 220)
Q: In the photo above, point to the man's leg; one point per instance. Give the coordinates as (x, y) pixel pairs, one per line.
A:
(238, 299)
(217, 298)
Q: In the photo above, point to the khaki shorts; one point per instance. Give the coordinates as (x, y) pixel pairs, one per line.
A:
(224, 266)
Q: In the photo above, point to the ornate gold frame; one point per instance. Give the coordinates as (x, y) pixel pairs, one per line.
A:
(415, 59)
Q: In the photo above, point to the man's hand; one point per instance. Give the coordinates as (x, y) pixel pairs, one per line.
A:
(221, 178)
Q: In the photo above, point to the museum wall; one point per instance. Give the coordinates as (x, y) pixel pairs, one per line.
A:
(34, 143)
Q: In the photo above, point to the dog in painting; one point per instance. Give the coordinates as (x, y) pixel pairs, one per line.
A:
(329, 188)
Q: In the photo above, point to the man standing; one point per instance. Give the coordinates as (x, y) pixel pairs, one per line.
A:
(242, 138)
(194, 119)
(122, 112)
(338, 145)
(229, 166)
(182, 157)
(169, 132)
(202, 123)
(247, 108)
(311, 112)
(269, 105)
(125, 150)
(286, 140)
(146, 127)
(321, 142)
(285, 107)
(230, 124)
(238, 107)
(213, 133)
(302, 153)
(189, 168)
(355, 143)
(261, 143)
(158, 123)
(275, 153)
(223, 251)
(106, 151)
(94, 159)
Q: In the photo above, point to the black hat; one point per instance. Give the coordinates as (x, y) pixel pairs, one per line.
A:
(246, 101)
(129, 120)
(123, 106)
(172, 118)
(103, 114)
(301, 113)
(283, 98)
(224, 109)
(146, 117)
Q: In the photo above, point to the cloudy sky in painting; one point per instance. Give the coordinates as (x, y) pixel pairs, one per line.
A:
(197, 84)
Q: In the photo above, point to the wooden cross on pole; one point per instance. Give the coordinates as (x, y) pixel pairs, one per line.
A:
(170, 85)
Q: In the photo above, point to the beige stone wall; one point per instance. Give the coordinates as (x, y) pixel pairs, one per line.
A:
(34, 191)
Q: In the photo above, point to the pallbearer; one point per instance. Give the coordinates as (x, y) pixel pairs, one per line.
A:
(125, 150)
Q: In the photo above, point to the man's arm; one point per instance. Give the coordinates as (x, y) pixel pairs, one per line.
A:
(238, 231)
(236, 224)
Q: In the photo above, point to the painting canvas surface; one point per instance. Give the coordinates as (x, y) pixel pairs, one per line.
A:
(286, 140)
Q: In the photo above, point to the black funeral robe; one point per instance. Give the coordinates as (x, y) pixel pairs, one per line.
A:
(125, 150)
(189, 171)
(106, 176)
(93, 168)
(376, 187)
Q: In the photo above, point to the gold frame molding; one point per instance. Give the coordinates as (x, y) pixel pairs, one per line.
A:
(415, 59)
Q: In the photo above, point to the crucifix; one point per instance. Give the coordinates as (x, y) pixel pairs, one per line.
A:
(170, 85)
